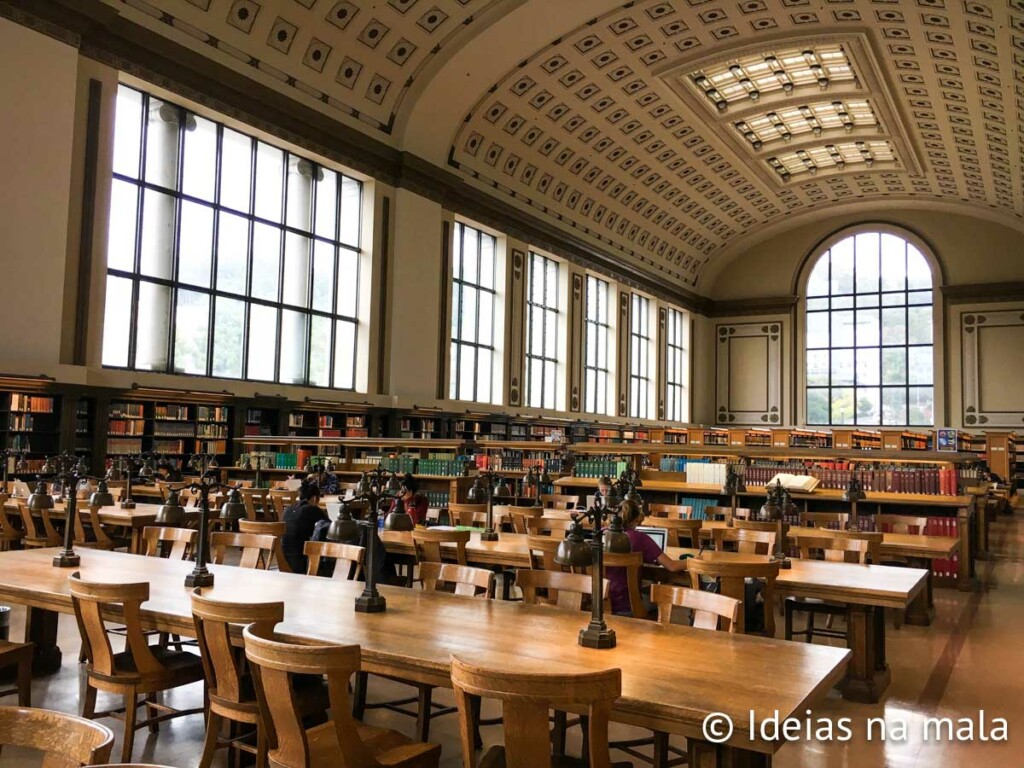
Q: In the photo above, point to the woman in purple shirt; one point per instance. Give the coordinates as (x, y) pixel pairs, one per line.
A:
(618, 589)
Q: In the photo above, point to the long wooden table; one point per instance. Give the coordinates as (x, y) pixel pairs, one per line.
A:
(867, 589)
(672, 676)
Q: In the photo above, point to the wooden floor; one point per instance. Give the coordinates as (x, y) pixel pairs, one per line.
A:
(968, 660)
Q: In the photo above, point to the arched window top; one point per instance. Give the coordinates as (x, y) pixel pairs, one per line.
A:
(869, 332)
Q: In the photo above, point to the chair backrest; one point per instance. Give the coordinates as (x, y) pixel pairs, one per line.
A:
(429, 543)
(550, 526)
(47, 536)
(65, 740)
(837, 520)
(520, 515)
(559, 500)
(89, 599)
(671, 511)
(458, 579)
(272, 528)
(565, 590)
(252, 496)
(276, 664)
(257, 549)
(742, 513)
(836, 550)
(718, 513)
(633, 562)
(678, 529)
(755, 525)
(732, 576)
(710, 610)
(281, 500)
(348, 558)
(172, 543)
(526, 701)
(542, 553)
(7, 530)
(89, 529)
(901, 524)
(746, 541)
(221, 662)
(467, 514)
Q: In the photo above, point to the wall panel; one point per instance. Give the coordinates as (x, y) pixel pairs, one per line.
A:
(749, 373)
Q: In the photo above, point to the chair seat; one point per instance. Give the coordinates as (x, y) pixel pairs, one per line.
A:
(180, 668)
(495, 758)
(387, 747)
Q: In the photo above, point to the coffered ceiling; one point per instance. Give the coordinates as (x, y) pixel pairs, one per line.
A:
(666, 134)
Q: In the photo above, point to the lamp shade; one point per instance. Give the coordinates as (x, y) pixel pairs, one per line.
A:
(147, 470)
(101, 497)
(39, 499)
(477, 494)
(573, 551)
(171, 513)
(615, 539)
(343, 528)
(363, 486)
(398, 519)
(234, 507)
(502, 488)
(394, 486)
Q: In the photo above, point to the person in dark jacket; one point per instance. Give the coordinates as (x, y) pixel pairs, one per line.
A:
(300, 520)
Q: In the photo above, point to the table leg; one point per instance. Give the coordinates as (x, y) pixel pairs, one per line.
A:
(41, 629)
(704, 754)
(136, 543)
(968, 549)
(921, 612)
(868, 674)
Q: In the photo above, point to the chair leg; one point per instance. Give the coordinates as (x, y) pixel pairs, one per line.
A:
(130, 707)
(474, 709)
(558, 734)
(89, 702)
(788, 611)
(810, 626)
(25, 683)
(359, 695)
(423, 716)
(659, 757)
(261, 746)
(585, 735)
(213, 726)
(152, 712)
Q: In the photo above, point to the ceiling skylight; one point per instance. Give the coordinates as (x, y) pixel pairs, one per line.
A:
(831, 156)
(783, 124)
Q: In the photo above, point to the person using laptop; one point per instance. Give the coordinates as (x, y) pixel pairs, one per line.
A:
(618, 588)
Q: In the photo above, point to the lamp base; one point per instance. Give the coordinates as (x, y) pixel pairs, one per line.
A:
(597, 637)
(371, 603)
(488, 535)
(783, 561)
(127, 504)
(67, 560)
(199, 578)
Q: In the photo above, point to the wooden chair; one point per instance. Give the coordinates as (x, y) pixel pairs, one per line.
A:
(678, 529)
(91, 533)
(527, 697)
(559, 500)
(671, 511)
(747, 542)
(9, 534)
(19, 656)
(840, 549)
(708, 611)
(719, 513)
(742, 513)
(731, 576)
(66, 741)
(340, 740)
(172, 543)
(632, 562)
(474, 515)
(836, 520)
(429, 544)
(564, 590)
(542, 553)
(140, 669)
(901, 524)
(38, 534)
(231, 689)
(280, 500)
(457, 579)
(271, 527)
(521, 515)
(255, 500)
(348, 558)
(256, 550)
(548, 526)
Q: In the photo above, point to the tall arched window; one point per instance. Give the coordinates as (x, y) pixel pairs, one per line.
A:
(869, 334)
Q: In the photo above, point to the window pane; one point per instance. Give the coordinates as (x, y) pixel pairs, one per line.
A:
(262, 342)
(453, 363)
(842, 405)
(842, 329)
(817, 285)
(191, 332)
(326, 215)
(151, 334)
(550, 381)
(228, 338)
(324, 258)
(470, 255)
(128, 132)
(467, 330)
(162, 144)
(296, 270)
(894, 263)
(919, 325)
(817, 330)
(921, 405)
(894, 406)
(157, 255)
(344, 354)
(195, 250)
(236, 170)
(348, 282)
(894, 365)
(121, 232)
(817, 368)
(817, 406)
(894, 326)
(301, 174)
(486, 318)
(486, 261)
(320, 352)
(266, 261)
(484, 371)
(920, 365)
(232, 253)
(868, 405)
(919, 297)
(842, 366)
(867, 327)
(842, 268)
(466, 379)
(551, 335)
(269, 172)
(536, 385)
(918, 273)
(294, 332)
(117, 321)
(868, 366)
(351, 191)
(199, 175)
(867, 263)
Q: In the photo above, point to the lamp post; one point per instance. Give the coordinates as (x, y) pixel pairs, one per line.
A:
(126, 464)
(70, 474)
(777, 505)
(733, 485)
(232, 509)
(854, 492)
(204, 464)
(575, 552)
(5, 455)
(486, 486)
(373, 487)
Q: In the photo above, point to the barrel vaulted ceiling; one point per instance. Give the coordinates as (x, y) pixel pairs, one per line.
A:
(666, 134)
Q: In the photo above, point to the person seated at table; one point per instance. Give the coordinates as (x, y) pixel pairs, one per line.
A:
(604, 487)
(327, 482)
(167, 472)
(416, 504)
(618, 588)
(300, 520)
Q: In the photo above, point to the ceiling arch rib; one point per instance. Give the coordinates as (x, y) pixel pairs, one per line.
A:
(593, 131)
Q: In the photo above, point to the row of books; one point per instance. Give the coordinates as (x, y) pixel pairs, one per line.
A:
(517, 460)
(216, 447)
(21, 421)
(937, 481)
(699, 505)
(678, 463)
(34, 465)
(213, 413)
(170, 412)
(169, 446)
(170, 429)
(121, 446)
(127, 427)
(329, 420)
(436, 498)
(600, 468)
(256, 430)
(125, 411)
(19, 443)
(31, 403)
(212, 430)
(708, 473)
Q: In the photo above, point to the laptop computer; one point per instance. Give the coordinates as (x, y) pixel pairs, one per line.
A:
(659, 535)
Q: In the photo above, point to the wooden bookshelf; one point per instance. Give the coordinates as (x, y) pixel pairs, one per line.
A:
(30, 423)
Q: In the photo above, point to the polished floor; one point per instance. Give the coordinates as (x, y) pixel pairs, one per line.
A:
(969, 661)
